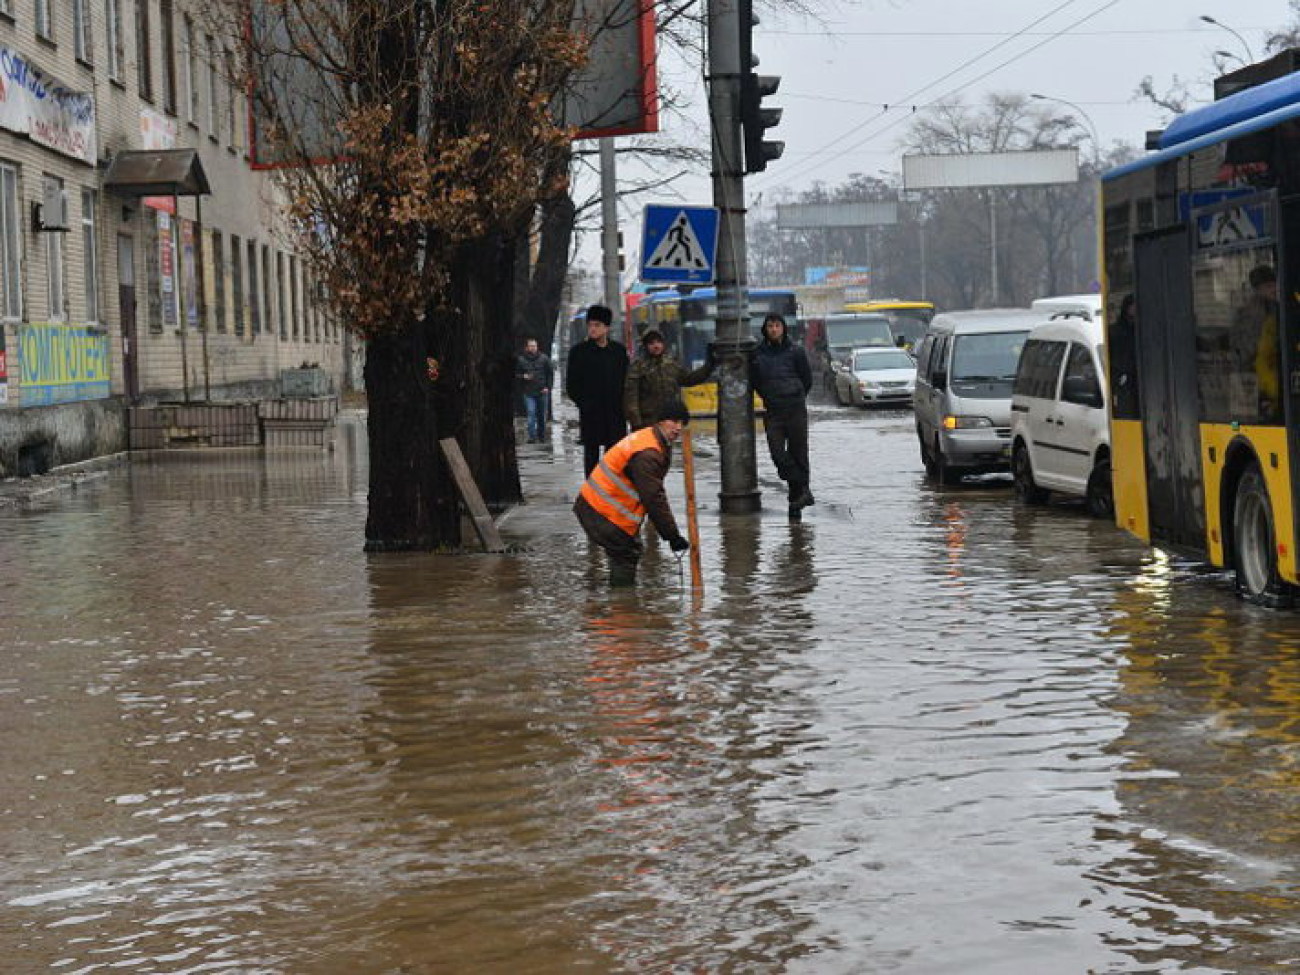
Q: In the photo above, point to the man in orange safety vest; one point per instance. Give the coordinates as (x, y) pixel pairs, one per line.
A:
(628, 484)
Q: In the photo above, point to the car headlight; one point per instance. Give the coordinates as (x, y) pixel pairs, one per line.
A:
(951, 422)
(867, 387)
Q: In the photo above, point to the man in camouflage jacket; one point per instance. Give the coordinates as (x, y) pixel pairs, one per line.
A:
(655, 379)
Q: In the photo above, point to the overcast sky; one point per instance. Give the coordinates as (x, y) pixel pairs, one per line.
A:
(840, 71)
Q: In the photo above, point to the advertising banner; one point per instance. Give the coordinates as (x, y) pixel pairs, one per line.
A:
(41, 107)
(62, 363)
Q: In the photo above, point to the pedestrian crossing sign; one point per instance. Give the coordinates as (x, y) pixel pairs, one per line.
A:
(679, 243)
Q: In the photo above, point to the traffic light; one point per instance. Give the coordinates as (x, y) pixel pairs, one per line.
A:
(755, 120)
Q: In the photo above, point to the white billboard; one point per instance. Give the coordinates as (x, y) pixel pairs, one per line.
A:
(967, 170)
(798, 216)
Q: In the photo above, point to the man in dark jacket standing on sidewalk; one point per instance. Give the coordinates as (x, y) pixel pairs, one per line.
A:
(779, 372)
(534, 372)
(593, 379)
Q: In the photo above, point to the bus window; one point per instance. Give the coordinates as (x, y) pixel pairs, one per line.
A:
(1234, 296)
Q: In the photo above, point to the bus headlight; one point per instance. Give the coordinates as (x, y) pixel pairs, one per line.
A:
(951, 422)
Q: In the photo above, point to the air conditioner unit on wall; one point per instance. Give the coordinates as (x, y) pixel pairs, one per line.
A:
(51, 214)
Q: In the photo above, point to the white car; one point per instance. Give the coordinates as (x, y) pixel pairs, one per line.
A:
(1060, 426)
(876, 377)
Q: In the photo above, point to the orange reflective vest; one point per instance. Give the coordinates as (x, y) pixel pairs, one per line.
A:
(610, 491)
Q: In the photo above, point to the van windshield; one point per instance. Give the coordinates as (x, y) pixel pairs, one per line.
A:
(988, 358)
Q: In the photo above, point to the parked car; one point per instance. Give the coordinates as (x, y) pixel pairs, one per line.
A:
(1060, 427)
(965, 368)
(876, 377)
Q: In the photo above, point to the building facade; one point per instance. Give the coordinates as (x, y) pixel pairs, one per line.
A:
(110, 298)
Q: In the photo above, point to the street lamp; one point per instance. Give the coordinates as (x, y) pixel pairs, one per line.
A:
(1218, 23)
(1092, 129)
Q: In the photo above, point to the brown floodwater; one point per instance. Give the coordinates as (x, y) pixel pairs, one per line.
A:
(926, 730)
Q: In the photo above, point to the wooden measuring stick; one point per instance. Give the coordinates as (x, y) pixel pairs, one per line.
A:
(692, 522)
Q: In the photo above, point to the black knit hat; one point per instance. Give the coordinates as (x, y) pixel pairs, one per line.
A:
(674, 410)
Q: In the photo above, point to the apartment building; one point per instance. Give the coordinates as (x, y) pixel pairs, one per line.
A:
(142, 258)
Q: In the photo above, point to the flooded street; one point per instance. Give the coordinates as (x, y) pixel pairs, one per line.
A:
(927, 730)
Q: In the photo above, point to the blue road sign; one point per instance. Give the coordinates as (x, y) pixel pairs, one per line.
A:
(678, 244)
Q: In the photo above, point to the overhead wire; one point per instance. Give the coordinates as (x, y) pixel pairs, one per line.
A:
(908, 99)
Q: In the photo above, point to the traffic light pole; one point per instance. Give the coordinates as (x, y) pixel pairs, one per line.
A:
(734, 342)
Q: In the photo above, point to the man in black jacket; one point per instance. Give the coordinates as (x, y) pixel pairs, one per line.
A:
(593, 379)
(779, 372)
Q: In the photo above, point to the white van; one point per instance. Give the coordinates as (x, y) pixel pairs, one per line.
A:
(1088, 305)
(1060, 427)
(965, 367)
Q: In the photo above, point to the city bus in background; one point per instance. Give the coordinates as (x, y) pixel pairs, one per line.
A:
(1203, 345)
(908, 320)
(689, 323)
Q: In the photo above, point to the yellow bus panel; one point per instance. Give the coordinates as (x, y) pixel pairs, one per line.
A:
(1269, 445)
(702, 400)
(1129, 477)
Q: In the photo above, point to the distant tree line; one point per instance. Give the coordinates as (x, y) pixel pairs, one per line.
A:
(942, 245)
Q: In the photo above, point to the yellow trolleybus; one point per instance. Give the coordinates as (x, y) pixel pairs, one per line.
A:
(1201, 247)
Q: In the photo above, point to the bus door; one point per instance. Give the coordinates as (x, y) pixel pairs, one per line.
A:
(1170, 415)
(1289, 351)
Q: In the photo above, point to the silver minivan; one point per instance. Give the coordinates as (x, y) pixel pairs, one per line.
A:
(965, 367)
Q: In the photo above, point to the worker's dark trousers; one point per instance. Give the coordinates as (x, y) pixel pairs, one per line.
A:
(624, 550)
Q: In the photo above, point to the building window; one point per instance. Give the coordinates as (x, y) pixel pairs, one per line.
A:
(268, 290)
(81, 30)
(254, 303)
(279, 295)
(232, 102)
(10, 242)
(90, 253)
(218, 281)
(7, 8)
(213, 88)
(56, 309)
(45, 19)
(237, 283)
(113, 24)
(167, 22)
(191, 73)
(298, 330)
(144, 65)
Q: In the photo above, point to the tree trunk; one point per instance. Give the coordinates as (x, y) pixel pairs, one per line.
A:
(413, 500)
(483, 295)
(546, 287)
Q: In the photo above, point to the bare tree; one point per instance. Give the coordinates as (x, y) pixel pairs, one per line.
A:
(418, 138)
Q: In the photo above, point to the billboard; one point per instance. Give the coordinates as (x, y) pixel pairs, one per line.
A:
(967, 170)
(616, 92)
(62, 363)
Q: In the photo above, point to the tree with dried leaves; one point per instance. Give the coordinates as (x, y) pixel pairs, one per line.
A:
(416, 139)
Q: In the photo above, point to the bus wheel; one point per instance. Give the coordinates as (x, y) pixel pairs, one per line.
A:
(1254, 545)
(1022, 471)
(1099, 494)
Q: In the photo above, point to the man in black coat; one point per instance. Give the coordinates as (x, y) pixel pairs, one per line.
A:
(593, 379)
(779, 372)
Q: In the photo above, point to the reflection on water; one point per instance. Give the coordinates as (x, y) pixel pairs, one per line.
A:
(925, 730)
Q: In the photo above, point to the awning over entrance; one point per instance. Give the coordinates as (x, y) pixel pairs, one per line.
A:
(157, 172)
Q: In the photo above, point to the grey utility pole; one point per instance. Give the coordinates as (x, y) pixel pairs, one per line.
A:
(734, 341)
(609, 236)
